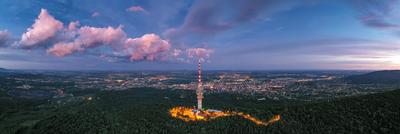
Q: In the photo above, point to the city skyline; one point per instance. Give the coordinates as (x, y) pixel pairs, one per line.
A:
(226, 35)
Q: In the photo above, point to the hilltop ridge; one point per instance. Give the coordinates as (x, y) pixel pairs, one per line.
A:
(377, 77)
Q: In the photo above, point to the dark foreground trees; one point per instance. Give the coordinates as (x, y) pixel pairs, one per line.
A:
(146, 111)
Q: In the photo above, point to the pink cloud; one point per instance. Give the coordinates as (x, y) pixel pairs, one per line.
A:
(136, 9)
(73, 25)
(92, 36)
(176, 52)
(73, 39)
(62, 49)
(95, 14)
(44, 28)
(148, 47)
(189, 54)
(199, 52)
(89, 37)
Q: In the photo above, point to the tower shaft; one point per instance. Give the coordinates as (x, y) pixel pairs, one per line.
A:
(199, 90)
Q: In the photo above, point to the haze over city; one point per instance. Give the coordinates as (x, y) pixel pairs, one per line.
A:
(225, 35)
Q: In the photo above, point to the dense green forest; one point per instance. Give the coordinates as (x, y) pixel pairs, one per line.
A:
(377, 77)
(146, 111)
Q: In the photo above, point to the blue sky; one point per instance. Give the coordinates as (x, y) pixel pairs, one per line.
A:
(224, 34)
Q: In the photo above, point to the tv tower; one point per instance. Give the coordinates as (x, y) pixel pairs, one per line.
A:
(199, 90)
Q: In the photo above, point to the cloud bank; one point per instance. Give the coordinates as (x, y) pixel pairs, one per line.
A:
(71, 39)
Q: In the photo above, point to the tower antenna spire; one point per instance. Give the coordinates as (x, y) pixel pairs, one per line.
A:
(199, 91)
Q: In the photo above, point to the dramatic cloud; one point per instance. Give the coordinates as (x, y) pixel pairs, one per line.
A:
(148, 47)
(73, 39)
(89, 37)
(44, 28)
(4, 37)
(209, 16)
(377, 13)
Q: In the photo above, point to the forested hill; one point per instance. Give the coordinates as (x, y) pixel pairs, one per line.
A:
(374, 113)
(141, 111)
(377, 77)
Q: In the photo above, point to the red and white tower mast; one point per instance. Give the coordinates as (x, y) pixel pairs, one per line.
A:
(199, 91)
